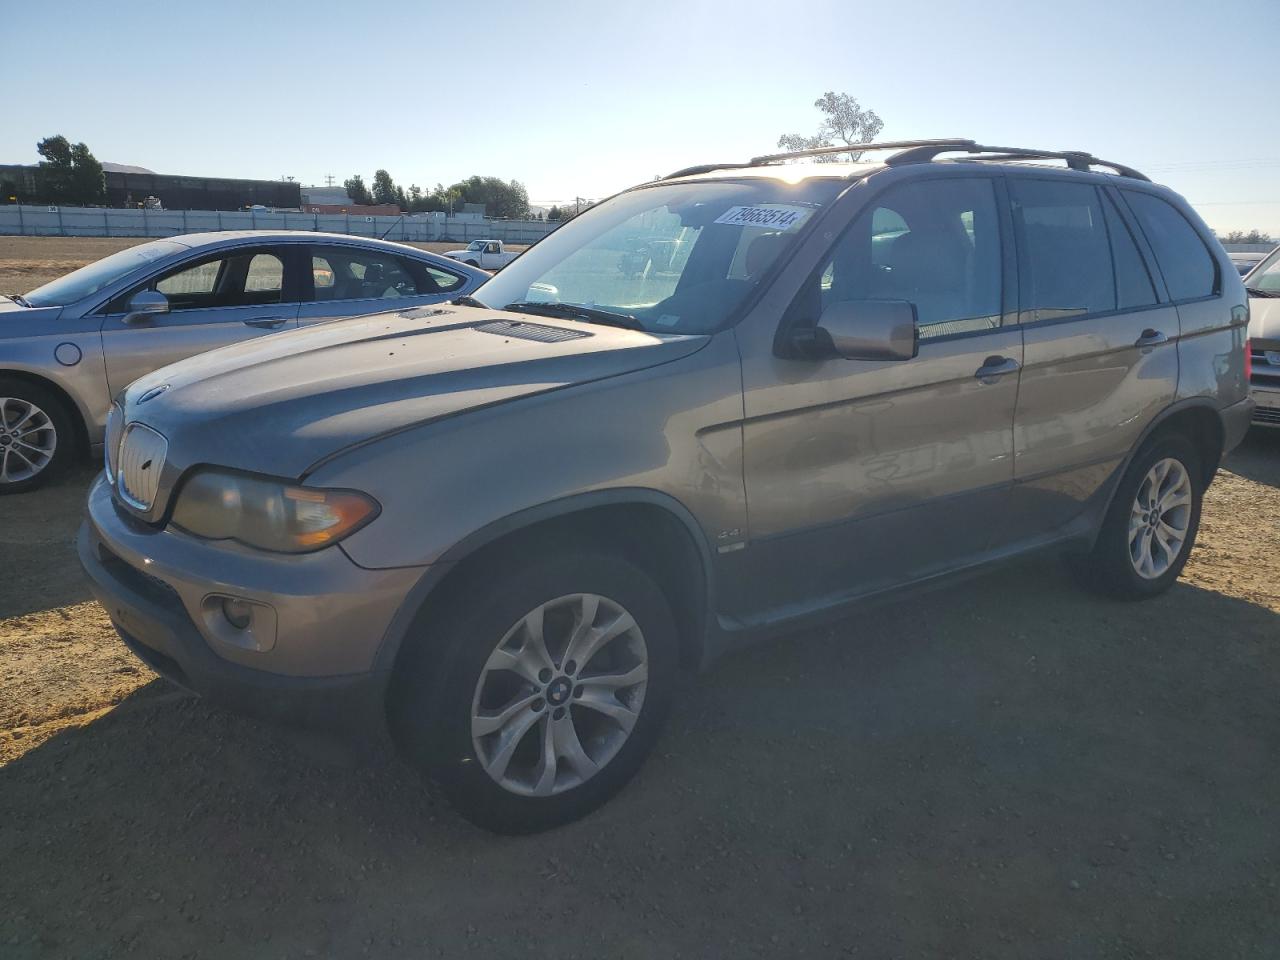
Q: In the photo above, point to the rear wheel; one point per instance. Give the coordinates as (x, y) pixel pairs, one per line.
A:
(37, 435)
(1152, 523)
(538, 694)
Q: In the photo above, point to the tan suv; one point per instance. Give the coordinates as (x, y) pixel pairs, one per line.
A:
(503, 529)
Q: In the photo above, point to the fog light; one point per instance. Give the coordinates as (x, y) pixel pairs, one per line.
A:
(238, 613)
(247, 624)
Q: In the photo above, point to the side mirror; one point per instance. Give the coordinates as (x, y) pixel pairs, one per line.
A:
(868, 330)
(145, 304)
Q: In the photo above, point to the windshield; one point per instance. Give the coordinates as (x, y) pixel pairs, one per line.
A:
(476, 245)
(1266, 275)
(676, 258)
(89, 279)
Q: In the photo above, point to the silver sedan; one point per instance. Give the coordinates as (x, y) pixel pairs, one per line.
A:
(68, 347)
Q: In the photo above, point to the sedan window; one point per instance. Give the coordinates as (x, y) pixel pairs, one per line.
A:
(250, 278)
(341, 274)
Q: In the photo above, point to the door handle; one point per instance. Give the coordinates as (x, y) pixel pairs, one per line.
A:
(993, 368)
(267, 323)
(1150, 338)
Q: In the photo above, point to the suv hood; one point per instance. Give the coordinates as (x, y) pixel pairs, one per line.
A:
(280, 404)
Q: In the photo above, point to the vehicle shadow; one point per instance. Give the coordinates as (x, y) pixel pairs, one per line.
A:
(37, 546)
(1007, 768)
(1258, 457)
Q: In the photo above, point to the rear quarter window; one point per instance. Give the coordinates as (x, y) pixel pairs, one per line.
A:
(1190, 271)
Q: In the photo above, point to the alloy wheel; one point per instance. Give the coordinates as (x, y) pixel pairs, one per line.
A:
(559, 696)
(1160, 518)
(28, 440)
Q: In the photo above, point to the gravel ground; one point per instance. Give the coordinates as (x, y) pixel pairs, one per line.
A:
(1007, 768)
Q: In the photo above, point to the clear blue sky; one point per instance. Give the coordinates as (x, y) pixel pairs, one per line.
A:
(585, 98)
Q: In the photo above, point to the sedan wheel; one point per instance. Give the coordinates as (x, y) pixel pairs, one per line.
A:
(28, 440)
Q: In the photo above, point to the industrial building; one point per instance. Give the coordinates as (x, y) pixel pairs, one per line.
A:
(130, 187)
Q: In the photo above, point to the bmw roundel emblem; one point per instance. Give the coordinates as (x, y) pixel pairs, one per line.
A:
(153, 393)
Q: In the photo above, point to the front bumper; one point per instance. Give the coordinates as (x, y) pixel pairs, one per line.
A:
(330, 617)
(1267, 412)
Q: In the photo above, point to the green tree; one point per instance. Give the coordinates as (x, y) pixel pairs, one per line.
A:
(1253, 236)
(69, 173)
(553, 213)
(505, 199)
(357, 191)
(88, 182)
(384, 188)
(844, 120)
(417, 202)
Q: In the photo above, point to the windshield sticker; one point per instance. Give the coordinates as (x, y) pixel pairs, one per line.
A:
(776, 216)
(668, 320)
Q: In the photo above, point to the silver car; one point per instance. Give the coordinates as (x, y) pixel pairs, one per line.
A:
(68, 347)
(505, 531)
(1263, 286)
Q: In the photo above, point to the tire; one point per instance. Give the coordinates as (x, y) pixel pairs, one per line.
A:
(37, 435)
(472, 263)
(1133, 569)
(477, 663)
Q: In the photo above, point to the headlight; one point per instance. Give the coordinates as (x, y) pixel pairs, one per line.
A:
(269, 514)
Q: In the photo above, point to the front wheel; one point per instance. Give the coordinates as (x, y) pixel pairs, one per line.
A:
(37, 438)
(538, 694)
(1151, 525)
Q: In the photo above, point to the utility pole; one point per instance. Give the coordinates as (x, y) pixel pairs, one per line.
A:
(328, 179)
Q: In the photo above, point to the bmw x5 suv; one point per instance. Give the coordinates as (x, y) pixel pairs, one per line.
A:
(502, 529)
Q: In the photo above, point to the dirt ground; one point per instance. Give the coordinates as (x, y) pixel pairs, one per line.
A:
(1007, 768)
(27, 262)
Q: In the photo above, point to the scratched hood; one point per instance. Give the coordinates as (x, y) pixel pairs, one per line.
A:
(278, 404)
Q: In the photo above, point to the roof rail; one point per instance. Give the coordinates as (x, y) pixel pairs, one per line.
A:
(923, 151)
(704, 168)
(951, 144)
(1075, 159)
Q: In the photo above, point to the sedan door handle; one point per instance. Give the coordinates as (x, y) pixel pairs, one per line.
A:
(993, 368)
(267, 323)
(1150, 338)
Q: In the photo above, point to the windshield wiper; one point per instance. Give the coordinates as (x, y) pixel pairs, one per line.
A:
(18, 298)
(1259, 292)
(574, 312)
(469, 301)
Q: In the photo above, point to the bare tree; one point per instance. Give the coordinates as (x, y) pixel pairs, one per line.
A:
(844, 120)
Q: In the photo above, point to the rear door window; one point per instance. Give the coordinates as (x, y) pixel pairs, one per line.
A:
(1133, 283)
(1190, 272)
(350, 274)
(1064, 252)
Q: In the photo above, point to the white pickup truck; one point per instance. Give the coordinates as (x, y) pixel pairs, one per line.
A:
(486, 254)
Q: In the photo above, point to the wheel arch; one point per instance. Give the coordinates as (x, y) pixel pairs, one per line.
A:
(1195, 418)
(653, 529)
(68, 401)
(1200, 422)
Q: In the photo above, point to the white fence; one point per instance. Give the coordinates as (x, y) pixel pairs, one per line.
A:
(31, 221)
